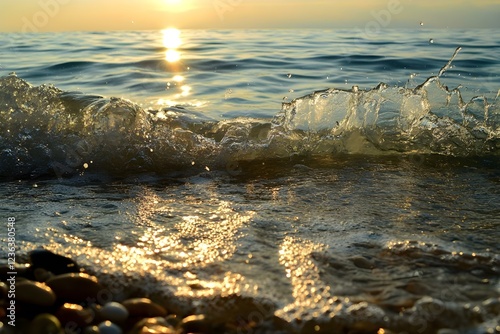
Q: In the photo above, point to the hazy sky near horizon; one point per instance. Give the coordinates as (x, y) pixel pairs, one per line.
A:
(94, 15)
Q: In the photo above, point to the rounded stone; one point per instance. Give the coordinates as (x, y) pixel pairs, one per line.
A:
(42, 275)
(156, 325)
(74, 287)
(143, 307)
(74, 313)
(195, 324)
(45, 324)
(173, 320)
(114, 312)
(4, 289)
(22, 270)
(35, 293)
(91, 330)
(55, 263)
(107, 327)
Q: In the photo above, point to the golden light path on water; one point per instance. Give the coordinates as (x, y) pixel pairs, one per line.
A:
(200, 239)
(172, 41)
(172, 255)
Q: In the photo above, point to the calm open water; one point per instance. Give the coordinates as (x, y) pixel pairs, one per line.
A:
(312, 181)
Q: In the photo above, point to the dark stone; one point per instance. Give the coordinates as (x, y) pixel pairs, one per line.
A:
(75, 287)
(56, 264)
(22, 271)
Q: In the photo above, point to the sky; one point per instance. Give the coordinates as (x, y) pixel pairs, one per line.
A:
(98, 15)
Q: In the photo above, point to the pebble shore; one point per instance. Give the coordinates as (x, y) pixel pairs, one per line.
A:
(53, 295)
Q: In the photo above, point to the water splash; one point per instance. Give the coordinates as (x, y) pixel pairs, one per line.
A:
(45, 130)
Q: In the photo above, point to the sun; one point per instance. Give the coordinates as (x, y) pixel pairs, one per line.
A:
(173, 2)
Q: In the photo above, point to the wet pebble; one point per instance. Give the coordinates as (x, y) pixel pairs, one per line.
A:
(143, 307)
(156, 325)
(91, 330)
(114, 312)
(107, 327)
(35, 293)
(173, 320)
(42, 275)
(45, 324)
(492, 305)
(75, 287)
(74, 313)
(4, 289)
(55, 263)
(361, 262)
(22, 270)
(447, 331)
(417, 288)
(195, 324)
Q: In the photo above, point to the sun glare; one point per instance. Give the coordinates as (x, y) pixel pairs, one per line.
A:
(172, 40)
(172, 56)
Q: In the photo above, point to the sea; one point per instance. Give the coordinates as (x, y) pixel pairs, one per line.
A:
(276, 181)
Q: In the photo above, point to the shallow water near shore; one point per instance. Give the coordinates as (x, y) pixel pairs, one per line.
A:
(399, 243)
(368, 200)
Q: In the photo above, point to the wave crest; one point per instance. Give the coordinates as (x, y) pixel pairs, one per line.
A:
(45, 130)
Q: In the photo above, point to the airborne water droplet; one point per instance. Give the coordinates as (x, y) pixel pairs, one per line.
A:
(431, 41)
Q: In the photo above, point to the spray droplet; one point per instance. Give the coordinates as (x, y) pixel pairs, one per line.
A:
(289, 75)
(421, 23)
(431, 41)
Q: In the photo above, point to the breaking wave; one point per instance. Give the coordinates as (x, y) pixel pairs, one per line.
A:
(48, 131)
